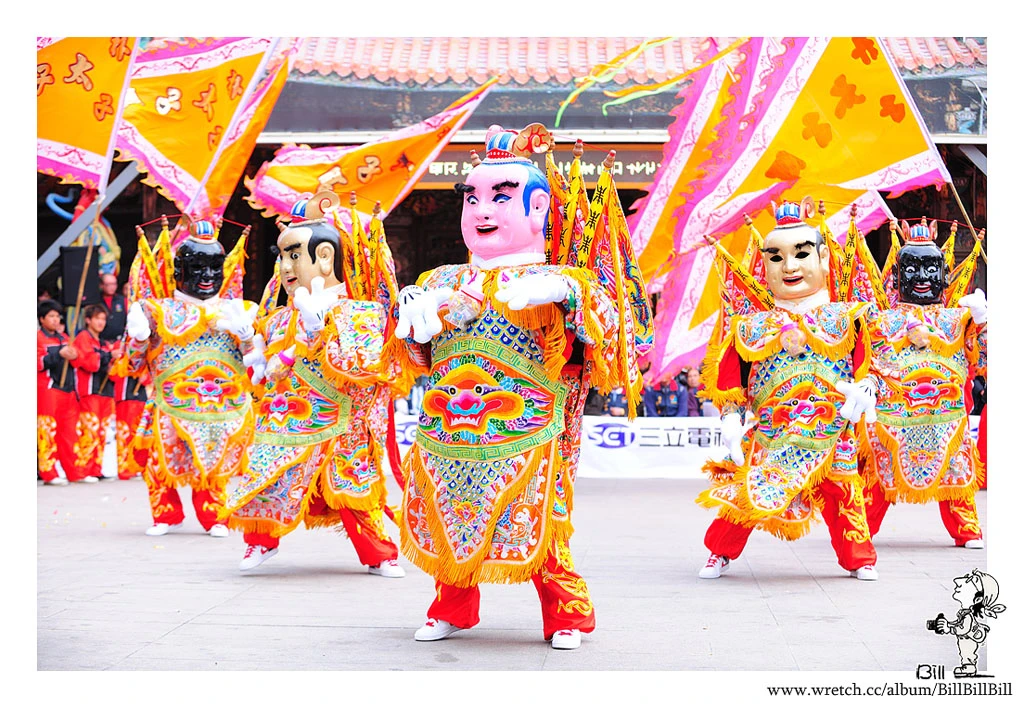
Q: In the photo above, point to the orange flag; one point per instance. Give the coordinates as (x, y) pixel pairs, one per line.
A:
(80, 86)
(190, 115)
(384, 170)
(784, 118)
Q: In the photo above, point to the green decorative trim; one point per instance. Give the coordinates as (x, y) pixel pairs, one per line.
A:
(804, 443)
(786, 373)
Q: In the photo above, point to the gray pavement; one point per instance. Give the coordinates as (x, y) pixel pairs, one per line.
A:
(111, 598)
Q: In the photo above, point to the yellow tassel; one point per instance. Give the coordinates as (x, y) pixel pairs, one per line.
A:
(477, 569)
(744, 513)
(913, 495)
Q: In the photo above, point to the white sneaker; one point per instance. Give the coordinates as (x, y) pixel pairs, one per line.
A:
(254, 555)
(566, 639)
(57, 482)
(866, 572)
(977, 543)
(87, 480)
(161, 529)
(387, 569)
(715, 566)
(435, 629)
(218, 531)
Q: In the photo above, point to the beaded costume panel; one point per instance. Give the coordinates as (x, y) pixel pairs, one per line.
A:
(920, 446)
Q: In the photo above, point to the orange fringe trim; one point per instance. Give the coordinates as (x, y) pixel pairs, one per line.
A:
(744, 514)
(200, 479)
(935, 492)
(476, 570)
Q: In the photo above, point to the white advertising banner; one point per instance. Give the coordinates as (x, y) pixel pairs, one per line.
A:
(672, 448)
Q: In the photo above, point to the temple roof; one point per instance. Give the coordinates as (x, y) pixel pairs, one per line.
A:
(560, 60)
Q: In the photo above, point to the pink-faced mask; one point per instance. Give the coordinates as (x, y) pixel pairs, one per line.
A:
(505, 203)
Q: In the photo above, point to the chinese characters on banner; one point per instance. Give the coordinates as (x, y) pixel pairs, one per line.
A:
(666, 448)
(80, 82)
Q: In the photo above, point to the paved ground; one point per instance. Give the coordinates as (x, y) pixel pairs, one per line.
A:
(111, 598)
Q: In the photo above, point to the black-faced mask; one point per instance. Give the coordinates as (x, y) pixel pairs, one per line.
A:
(920, 274)
(199, 268)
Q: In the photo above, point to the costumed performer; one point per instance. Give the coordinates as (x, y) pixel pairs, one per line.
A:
(191, 338)
(489, 477)
(794, 367)
(923, 362)
(322, 409)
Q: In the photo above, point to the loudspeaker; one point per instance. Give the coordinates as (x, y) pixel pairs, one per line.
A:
(72, 262)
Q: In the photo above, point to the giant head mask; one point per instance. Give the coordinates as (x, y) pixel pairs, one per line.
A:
(920, 268)
(506, 197)
(795, 254)
(310, 246)
(199, 262)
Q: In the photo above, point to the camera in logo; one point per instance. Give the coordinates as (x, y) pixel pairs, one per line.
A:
(611, 435)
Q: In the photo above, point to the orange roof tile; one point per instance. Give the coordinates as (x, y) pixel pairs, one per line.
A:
(915, 53)
(476, 59)
(560, 60)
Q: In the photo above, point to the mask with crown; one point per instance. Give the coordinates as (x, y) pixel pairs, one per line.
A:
(199, 262)
(921, 267)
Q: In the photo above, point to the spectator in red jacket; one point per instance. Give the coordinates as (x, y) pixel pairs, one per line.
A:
(57, 405)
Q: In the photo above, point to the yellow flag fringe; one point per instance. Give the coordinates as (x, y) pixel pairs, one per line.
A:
(476, 570)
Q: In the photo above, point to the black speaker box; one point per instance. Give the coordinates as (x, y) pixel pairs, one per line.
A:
(72, 263)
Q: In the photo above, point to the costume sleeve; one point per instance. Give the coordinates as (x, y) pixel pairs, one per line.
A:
(88, 358)
(724, 376)
(133, 362)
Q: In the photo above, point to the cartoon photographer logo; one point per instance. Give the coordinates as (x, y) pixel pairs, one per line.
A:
(977, 593)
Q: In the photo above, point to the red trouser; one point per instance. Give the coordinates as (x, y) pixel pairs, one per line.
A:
(842, 507)
(128, 414)
(57, 419)
(366, 533)
(564, 600)
(959, 516)
(94, 414)
(166, 504)
(983, 444)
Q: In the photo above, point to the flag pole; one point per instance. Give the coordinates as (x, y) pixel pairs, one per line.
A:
(81, 289)
(100, 197)
(968, 220)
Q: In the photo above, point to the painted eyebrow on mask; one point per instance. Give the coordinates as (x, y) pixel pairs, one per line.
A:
(463, 188)
(803, 244)
(507, 183)
(293, 247)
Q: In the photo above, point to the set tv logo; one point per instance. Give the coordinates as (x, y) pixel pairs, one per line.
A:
(611, 435)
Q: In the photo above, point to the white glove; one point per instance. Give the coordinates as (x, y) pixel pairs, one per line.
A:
(417, 311)
(256, 359)
(313, 304)
(977, 304)
(860, 400)
(236, 319)
(535, 289)
(137, 324)
(732, 437)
